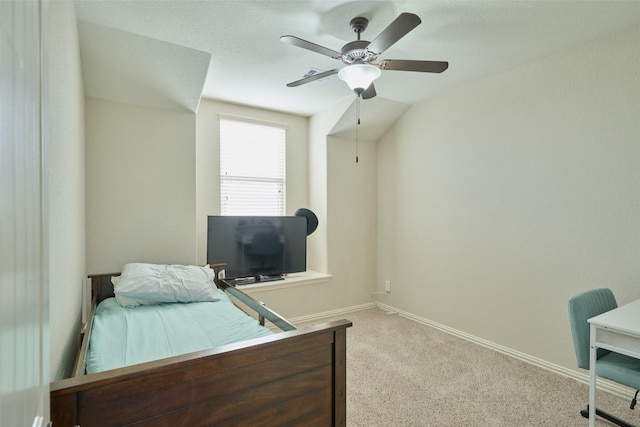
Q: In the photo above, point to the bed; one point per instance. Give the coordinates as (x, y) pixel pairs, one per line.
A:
(286, 377)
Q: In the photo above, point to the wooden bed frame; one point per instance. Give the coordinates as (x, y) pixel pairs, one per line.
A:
(296, 377)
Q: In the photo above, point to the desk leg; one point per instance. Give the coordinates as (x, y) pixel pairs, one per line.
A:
(593, 352)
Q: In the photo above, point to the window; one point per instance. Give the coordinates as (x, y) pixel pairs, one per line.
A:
(252, 167)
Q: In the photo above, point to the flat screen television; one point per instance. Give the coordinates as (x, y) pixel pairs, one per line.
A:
(258, 247)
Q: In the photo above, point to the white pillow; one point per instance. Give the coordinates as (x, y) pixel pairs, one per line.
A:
(147, 284)
(122, 300)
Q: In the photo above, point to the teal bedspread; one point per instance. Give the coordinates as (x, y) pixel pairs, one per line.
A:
(126, 336)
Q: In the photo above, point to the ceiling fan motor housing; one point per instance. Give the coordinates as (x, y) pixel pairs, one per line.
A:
(356, 52)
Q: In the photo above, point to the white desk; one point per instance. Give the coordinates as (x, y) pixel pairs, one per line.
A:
(616, 330)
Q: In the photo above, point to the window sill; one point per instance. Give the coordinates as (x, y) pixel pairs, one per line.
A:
(292, 280)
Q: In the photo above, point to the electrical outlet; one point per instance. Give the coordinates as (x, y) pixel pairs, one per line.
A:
(387, 285)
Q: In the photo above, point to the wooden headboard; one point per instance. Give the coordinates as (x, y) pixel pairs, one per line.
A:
(101, 286)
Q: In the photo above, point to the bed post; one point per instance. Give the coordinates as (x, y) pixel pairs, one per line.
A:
(217, 268)
(340, 378)
(64, 410)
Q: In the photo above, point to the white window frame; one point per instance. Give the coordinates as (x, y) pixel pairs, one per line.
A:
(252, 167)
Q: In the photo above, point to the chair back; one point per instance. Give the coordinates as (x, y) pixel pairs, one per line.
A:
(582, 307)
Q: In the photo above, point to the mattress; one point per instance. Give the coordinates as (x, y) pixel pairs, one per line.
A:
(123, 336)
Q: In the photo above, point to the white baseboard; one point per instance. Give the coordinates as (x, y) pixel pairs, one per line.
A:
(602, 384)
(332, 313)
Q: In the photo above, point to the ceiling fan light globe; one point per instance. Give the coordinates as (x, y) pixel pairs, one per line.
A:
(359, 76)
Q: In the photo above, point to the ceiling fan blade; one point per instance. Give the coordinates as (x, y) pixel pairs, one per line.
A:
(407, 65)
(404, 23)
(369, 92)
(296, 41)
(312, 78)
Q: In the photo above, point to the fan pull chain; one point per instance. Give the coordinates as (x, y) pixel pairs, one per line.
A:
(357, 122)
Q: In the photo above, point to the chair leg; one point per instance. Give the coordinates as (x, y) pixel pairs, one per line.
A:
(607, 416)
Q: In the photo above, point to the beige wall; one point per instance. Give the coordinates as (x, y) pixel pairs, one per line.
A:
(320, 125)
(208, 160)
(152, 179)
(351, 220)
(487, 206)
(501, 199)
(140, 180)
(350, 230)
(66, 191)
(322, 175)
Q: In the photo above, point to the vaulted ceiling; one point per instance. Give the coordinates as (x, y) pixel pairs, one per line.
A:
(170, 53)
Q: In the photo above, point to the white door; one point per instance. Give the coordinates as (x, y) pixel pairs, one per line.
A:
(24, 395)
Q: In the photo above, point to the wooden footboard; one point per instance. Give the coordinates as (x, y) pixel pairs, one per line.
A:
(296, 377)
(291, 378)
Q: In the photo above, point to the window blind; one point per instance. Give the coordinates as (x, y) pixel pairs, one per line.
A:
(252, 167)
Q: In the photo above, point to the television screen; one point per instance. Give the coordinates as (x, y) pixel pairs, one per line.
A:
(261, 247)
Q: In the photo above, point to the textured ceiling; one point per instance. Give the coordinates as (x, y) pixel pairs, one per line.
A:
(164, 52)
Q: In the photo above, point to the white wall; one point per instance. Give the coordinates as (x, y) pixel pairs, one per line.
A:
(66, 191)
(140, 180)
(501, 199)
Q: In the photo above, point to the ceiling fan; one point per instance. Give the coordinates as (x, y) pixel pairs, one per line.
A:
(360, 56)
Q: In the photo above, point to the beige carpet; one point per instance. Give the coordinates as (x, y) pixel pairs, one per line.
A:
(403, 373)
